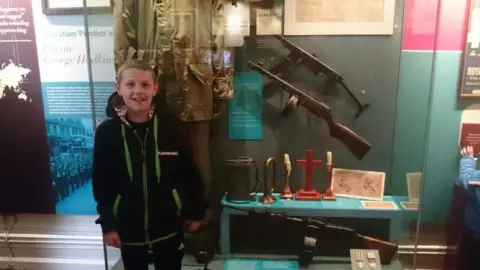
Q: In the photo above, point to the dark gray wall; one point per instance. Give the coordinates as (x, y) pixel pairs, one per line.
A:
(369, 63)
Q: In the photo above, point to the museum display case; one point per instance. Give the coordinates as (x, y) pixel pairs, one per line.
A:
(327, 134)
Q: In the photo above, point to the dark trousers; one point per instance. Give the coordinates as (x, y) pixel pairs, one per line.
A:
(468, 252)
(167, 255)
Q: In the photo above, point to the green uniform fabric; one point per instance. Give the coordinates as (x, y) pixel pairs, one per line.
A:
(194, 67)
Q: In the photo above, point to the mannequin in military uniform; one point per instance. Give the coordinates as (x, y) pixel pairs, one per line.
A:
(194, 68)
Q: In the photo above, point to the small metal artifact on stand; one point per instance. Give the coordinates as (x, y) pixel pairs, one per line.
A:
(359, 259)
(329, 195)
(239, 171)
(365, 259)
(268, 188)
(308, 193)
(286, 192)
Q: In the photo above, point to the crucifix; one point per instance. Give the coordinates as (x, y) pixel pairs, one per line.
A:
(308, 193)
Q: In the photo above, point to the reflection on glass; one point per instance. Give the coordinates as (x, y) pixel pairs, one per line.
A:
(255, 80)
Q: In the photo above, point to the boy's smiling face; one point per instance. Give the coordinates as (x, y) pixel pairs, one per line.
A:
(137, 88)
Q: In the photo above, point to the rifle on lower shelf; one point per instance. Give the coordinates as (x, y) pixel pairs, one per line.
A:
(356, 144)
(318, 228)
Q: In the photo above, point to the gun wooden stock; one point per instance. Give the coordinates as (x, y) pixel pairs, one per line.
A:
(356, 144)
(386, 249)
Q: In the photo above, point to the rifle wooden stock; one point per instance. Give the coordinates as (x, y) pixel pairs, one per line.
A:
(356, 144)
(386, 249)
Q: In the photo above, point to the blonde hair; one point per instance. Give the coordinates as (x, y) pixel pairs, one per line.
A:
(136, 64)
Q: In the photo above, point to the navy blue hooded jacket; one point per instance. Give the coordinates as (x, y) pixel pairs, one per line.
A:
(145, 180)
(468, 173)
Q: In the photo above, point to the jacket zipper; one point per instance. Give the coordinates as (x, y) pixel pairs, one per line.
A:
(145, 182)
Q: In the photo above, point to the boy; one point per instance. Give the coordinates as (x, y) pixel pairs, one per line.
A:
(145, 180)
(469, 247)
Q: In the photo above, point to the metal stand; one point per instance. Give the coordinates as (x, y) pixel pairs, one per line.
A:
(105, 254)
(207, 261)
(7, 230)
(360, 106)
(89, 64)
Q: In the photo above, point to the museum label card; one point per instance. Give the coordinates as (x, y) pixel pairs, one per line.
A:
(233, 23)
(379, 205)
(237, 19)
(269, 20)
(413, 206)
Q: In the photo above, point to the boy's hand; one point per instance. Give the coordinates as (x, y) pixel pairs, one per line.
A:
(112, 239)
(192, 225)
(467, 151)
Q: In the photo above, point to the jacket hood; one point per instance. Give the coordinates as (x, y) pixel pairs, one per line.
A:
(116, 108)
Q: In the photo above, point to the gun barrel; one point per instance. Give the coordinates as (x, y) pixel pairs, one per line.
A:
(311, 61)
(290, 46)
(287, 87)
(356, 144)
(253, 212)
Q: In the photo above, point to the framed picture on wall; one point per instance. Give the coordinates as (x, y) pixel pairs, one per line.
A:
(70, 7)
(368, 185)
(469, 83)
(327, 17)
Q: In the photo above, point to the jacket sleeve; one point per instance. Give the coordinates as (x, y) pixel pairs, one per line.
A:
(192, 182)
(222, 57)
(124, 42)
(103, 193)
(468, 173)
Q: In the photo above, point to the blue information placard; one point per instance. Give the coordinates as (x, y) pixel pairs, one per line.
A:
(73, 99)
(246, 107)
(257, 264)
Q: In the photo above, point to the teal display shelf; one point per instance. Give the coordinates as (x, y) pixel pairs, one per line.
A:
(292, 264)
(341, 207)
(275, 262)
